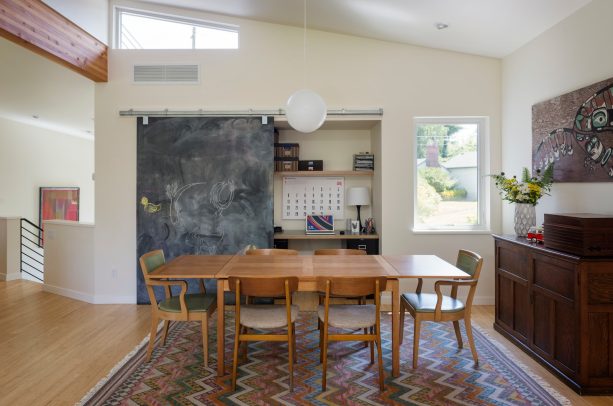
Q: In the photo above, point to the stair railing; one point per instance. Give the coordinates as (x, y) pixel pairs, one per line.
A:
(31, 250)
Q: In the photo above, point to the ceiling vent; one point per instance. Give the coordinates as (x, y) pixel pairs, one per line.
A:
(166, 74)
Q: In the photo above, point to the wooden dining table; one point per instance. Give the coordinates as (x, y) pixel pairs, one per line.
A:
(307, 268)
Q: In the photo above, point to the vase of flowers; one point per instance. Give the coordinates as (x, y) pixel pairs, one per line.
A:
(525, 193)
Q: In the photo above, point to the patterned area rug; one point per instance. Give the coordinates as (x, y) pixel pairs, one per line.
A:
(445, 376)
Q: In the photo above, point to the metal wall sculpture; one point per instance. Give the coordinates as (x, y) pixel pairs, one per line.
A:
(204, 186)
(575, 133)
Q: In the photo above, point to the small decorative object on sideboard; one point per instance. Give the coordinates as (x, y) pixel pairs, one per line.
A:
(525, 195)
(535, 235)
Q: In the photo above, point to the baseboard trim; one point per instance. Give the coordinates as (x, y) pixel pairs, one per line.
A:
(10, 277)
(89, 298)
(107, 299)
(73, 294)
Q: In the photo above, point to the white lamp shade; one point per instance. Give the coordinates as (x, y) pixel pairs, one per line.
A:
(305, 111)
(358, 196)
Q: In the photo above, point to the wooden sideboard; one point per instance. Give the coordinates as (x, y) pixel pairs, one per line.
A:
(558, 308)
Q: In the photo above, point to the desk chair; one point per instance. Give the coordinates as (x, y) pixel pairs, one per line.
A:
(265, 317)
(351, 317)
(440, 308)
(270, 251)
(185, 307)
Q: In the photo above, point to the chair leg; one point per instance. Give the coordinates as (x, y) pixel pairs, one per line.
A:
(416, 332)
(471, 342)
(152, 334)
(324, 358)
(401, 326)
(321, 344)
(294, 340)
(372, 347)
(245, 344)
(205, 339)
(165, 331)
(380, 361)
(290, 358)
(456, 327)
(235, 358)
(362, 301)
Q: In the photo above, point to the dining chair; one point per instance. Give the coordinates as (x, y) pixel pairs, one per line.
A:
(441, 308)
(343, 251)
(265, 317)
(184, 307)
(350, 316)
(270, 251)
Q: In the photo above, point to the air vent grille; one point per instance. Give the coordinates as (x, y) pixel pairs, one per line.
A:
(166, 74)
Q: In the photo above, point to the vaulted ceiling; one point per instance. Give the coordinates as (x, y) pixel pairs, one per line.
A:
(484, 27)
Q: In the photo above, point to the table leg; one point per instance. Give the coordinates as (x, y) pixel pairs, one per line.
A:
(395, 327)
(220, 328)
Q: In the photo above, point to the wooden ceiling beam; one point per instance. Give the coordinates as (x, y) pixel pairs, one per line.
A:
(36, 26)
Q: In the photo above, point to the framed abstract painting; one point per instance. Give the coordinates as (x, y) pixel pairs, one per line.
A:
(58, 203)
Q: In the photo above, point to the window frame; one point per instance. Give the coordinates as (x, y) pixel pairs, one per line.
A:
(119, 10)
(483, 168)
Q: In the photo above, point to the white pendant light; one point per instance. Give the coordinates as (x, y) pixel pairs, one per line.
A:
(305, 110)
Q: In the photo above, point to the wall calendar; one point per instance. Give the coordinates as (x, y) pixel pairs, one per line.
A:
(313, 195)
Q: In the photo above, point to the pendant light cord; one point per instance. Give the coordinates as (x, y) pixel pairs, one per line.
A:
(304, 44)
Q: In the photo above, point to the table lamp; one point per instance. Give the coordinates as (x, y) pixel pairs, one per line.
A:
(358, 197)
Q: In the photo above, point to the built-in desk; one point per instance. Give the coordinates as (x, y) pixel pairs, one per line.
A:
(366, 242)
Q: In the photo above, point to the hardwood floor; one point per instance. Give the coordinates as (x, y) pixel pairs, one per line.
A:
(54, 349)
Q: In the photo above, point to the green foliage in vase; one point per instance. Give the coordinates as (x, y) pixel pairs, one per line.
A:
(529, 190)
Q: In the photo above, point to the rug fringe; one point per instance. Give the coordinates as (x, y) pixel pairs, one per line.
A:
(116, 368)
(539, 380)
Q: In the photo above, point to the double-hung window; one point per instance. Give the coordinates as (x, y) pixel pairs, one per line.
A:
(137, 29)
(450, 169)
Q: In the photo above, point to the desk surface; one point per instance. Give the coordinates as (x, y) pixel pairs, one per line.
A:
(302, 235)
(308, 267)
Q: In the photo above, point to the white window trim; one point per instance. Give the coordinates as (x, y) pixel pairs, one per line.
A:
(117, 10)
(483, 193)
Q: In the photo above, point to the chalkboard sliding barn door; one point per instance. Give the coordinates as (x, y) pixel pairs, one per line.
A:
(204, 186)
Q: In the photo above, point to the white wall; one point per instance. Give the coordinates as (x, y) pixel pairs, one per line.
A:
(31, 157)
(406, 81)
(33, 85)
(91, 15)
(69, 259)
(9, 248)
(53, 150)
(573, 54)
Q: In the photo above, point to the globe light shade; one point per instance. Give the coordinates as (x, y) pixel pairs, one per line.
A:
(305, 111)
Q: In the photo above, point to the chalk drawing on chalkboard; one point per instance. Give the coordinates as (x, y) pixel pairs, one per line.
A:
(203, 243)
(221, 195)
(174, 192)
(150, 207)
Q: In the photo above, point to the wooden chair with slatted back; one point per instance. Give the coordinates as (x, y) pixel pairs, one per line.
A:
(344, 251)
(440, 308)
(185, 307)
(265, 317)
(270, 251)
(350, 316)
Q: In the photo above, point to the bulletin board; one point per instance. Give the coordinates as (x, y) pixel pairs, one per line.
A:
(313, 195)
